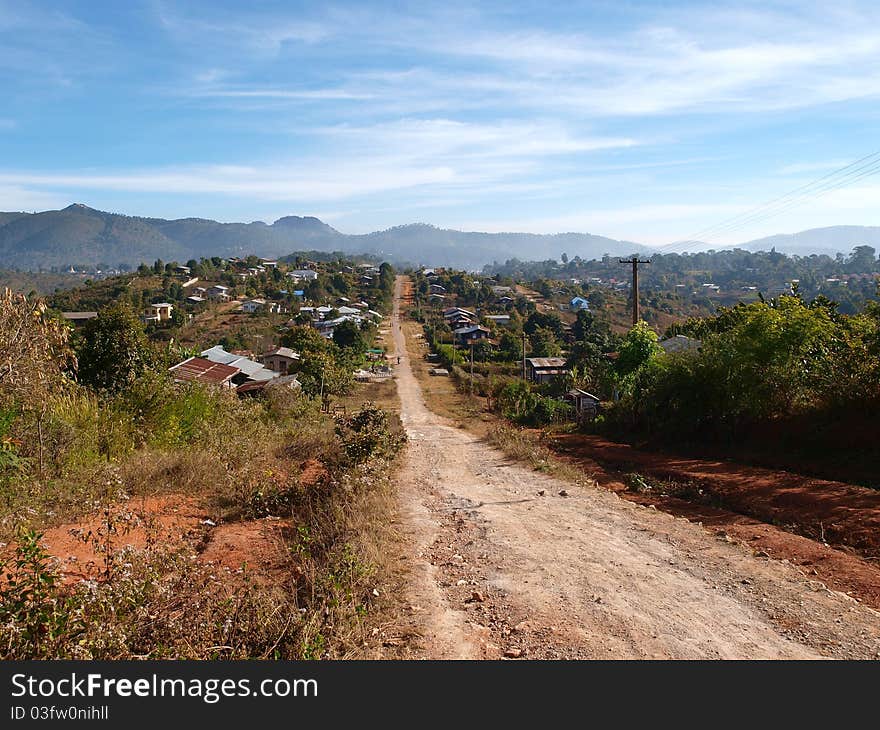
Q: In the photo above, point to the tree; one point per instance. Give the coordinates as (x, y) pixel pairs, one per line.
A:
(544, 343)
(113, 350)
(509, 347)
(35, 350)
(638, 348)
(33, 364)
(549, 321)
(304, 339)
(347, 335)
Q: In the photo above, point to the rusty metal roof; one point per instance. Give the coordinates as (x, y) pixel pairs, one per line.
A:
(204, 371)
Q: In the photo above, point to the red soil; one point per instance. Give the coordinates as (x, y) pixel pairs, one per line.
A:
(255, 547)
(138, 523)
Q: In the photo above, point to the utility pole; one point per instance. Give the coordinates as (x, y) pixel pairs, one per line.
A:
(472, 369)
(635, 261)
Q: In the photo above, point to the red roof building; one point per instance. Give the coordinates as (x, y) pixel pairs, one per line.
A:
(198, 369)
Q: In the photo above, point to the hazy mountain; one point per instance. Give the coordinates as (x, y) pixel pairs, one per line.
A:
(831, 240)
(79, 236)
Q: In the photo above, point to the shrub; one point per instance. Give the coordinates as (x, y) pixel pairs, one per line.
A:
(37, 620)
(368, 434)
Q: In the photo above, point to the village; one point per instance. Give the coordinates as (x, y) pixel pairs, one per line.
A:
(203, 303)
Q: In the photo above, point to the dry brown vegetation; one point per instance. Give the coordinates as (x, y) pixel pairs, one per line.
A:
(163, 521)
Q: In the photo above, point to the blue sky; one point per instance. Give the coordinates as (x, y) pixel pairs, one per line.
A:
(640, 120)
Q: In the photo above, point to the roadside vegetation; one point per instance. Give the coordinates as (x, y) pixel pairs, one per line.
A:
(788, 381)
(91, 424)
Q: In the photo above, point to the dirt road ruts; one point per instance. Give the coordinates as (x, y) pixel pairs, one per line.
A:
(505, 566)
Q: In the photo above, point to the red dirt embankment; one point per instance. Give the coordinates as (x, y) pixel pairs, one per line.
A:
(255, 547)
(830, 529)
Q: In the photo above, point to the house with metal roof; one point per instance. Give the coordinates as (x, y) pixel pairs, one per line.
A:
(680, 343)
(545, 369)
(280, 359)
(248, 369)
(201, 370)
(473, 333)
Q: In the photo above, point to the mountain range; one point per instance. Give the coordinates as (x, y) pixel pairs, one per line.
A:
(81, 236)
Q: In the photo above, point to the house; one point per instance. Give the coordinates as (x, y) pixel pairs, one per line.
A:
(303, 275)
(501, 290)
(437, 289)
(578, 303)
(201, 370)
(436, 298)
(457, 312)
(158, 313)
(460, 321)
(504, 301)
(586, 405)
(78, 318)
(680, 343)
(474, 333)
(219, 292)
(251, 306)
(183, 270)
(195, 301)
(545, 369)
(499, 319)
(254, 388)
(280, 359)
(248, 370)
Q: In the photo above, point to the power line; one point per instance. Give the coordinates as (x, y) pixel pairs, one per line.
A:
(842, 177)
(828, 187)
(782, 202)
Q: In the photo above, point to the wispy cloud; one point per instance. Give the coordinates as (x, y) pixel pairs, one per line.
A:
(288, 94)
(253, 31)
(665, 64)
(404, 155)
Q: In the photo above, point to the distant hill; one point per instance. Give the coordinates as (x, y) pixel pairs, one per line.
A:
(81, 236)
(830, 241)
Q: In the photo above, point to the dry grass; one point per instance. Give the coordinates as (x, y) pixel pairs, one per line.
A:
(527, 446)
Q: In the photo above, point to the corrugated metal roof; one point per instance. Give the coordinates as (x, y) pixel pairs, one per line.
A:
(546, 362)
(254, 370)
(680, 343)
(202, 370)
(282, 352)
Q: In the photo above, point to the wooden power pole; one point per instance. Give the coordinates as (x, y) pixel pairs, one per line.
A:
(635, 261)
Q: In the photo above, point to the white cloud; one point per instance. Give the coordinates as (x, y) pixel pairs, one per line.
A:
(22, 198)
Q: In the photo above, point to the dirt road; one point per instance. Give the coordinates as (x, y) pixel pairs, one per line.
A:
(513, 563)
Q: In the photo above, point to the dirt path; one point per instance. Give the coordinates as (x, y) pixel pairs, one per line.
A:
(512, 563)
